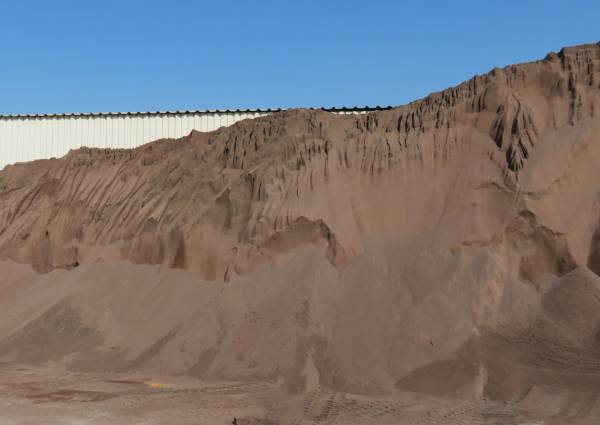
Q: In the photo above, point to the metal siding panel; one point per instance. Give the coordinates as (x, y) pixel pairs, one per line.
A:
(179, 127)
(84, 127)
(22, 128)
(123, 141)
(141, 131)
(194, 122)
(146, 129)
(32, 152)
(119, 139)
(7, 143)
(127, 143)
(24, 140)
(98, 126)
(29, 138)
(39, 135)
(13, 144)
(133, 131)
(65, 137)
(122, 131)
(14, 140)
(73, 141)
(3, 144)
(55, 137)
(60, 145)
(142, 127)
(21, 146)
(163, 128)
(136, 132)
(116, 141)
(117, 133)
(68, 144)
(97, 131)
(41, 138)
(17, 133)
(49, 127)
(182, 126)
(154, 123)
(91, 127)
(110, 133)
(46, 129)
(53, 146)
(200, 122)
(151, 125)
(104, 133)
(35, 138)
(76, 139)
(172, 125)
(187, 124)
(204, 126)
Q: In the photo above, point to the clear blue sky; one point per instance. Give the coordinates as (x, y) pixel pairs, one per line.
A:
(75, 56)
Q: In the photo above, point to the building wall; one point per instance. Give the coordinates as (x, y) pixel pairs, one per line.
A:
(27, 138)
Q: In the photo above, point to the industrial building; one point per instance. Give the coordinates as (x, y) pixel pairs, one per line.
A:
(30, 137)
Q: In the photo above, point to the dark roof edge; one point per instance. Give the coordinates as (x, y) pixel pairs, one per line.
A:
(194, 112)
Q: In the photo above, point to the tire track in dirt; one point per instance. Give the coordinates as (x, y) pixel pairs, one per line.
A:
(320, 407)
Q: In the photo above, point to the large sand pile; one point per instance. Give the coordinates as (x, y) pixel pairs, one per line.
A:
(448, 247)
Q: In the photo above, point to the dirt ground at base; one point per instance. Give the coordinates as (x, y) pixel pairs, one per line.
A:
(43, 396)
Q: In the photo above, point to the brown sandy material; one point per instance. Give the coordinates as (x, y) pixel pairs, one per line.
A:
(448, 247)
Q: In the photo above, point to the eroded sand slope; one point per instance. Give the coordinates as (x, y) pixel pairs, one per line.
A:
(450, 247)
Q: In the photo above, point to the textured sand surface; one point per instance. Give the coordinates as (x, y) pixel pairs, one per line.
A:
(436, 263)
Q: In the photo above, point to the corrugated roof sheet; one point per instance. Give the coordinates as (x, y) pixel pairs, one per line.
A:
(194, 112)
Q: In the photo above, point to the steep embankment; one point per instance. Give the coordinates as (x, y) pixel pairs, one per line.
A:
(366, 253)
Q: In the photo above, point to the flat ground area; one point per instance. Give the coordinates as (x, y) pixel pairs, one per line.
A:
(42, 396)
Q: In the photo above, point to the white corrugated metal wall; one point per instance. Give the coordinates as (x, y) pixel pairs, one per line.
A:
(26, 138)
(30, 137)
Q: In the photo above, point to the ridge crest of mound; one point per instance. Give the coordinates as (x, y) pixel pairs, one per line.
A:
(208, 201)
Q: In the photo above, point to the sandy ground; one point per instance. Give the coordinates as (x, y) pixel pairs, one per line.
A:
(45, 396)
(35, 395)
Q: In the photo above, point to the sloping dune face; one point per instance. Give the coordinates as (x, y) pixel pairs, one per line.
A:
(449, 246)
